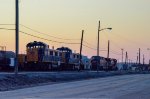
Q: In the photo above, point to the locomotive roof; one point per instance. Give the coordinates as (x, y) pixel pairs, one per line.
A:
(65, 49)
(98, 56)
(35, 43)
(7, 54)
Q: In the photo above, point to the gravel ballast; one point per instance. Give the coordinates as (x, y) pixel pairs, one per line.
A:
(8, 81)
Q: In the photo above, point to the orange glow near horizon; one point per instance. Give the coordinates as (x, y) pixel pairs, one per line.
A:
(67, 18)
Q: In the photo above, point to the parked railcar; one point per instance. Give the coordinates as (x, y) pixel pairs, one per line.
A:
(111, 64)
(101, 63)
(98, 63)
(7, 60)
(114, 64)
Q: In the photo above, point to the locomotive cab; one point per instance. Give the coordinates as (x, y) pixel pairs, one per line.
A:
(98, 63)
(36, 51)
(66, 53)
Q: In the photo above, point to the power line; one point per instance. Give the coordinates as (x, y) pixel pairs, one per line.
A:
(89, 47)
(116, 53)
(38, 36)
(89, 43)
(46, 39)
(118, 36)
(50, 40)
(40, 32)
(112, 51)
(92, 48)
(7, 24)
(45, 33)
(113, 42)
(6, 29)
(127, 39)
(55, 41)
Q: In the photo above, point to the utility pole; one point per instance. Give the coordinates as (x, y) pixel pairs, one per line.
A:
(122, 55)
(143, 59)
(98, 39)
(17, 37)
(108, 49)
(149, 54)
(126, 59)
(81, 49)
(139, 56)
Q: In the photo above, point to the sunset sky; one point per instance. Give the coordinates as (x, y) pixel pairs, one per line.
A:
(130, 20)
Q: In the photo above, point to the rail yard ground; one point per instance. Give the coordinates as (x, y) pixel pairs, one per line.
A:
(8, 81)
(114, 87)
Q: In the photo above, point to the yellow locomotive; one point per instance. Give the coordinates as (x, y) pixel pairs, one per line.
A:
(40, 57)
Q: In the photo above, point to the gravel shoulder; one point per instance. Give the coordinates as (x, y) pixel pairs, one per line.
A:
(8, 81)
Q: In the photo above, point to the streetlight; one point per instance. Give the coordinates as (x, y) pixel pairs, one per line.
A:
(98, 36)
(105, 29)
(98, 39)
